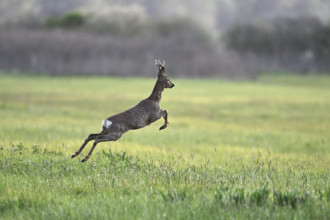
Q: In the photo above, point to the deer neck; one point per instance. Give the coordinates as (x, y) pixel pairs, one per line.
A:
(156, 94)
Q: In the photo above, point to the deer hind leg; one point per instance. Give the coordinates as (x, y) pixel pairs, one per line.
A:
(164, 113)
(102, 138)
(89, 138)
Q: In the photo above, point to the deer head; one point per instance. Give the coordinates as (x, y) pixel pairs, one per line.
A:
(162, 78)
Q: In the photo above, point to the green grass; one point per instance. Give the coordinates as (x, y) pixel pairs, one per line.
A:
(246, 150)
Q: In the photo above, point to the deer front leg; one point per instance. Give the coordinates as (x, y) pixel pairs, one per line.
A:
(164, 114)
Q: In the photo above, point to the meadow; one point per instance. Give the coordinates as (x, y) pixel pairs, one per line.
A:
(233, 150)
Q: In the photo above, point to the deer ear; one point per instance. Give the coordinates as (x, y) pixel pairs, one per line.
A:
(161, 71)
(161, 68)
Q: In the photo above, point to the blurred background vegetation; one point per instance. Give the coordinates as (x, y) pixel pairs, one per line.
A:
(211, 38)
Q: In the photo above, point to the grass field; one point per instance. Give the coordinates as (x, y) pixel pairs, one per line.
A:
(233, 150)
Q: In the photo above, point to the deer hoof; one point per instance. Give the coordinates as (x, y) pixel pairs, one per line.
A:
(73, 156)
(162, 127)
(85, 159)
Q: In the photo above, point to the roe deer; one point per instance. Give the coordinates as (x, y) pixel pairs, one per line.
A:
(141, 115)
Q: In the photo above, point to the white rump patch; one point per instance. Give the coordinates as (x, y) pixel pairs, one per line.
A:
(106, 123)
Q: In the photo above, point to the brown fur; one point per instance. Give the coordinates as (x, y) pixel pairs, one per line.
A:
(141, 115)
